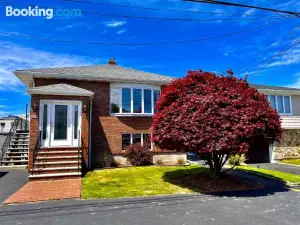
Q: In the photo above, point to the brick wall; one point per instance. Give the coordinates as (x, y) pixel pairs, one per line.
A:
(34, 124)
(106, 130)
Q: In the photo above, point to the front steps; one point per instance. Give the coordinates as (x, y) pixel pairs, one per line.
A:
(57, 163)
(17, 152)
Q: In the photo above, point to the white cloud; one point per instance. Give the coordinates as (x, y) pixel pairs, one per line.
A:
(121, 31)
(289, 58)
(114, 23)
(296, 83)
(15, 57)
(249, 12)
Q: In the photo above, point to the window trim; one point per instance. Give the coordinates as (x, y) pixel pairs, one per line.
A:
(282, 95)
(116, 86)
(131, 139)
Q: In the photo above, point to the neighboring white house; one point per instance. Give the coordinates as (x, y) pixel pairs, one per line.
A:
(6, 123)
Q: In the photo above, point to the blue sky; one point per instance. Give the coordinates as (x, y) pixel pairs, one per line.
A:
(242, 53)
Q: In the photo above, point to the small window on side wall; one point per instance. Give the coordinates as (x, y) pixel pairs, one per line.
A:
(126, 140)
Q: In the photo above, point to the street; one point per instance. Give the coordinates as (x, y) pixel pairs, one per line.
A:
(259, 208)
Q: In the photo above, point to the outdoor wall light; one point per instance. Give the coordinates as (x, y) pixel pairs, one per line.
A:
(84, 107)
(35, 106)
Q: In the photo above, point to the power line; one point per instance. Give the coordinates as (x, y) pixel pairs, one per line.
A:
(132, 44)
(297, 14)
(156, 18)
(160, 9)
(270, 59)
(264, 51)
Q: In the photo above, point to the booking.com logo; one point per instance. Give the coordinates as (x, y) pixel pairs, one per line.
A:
(42, 12)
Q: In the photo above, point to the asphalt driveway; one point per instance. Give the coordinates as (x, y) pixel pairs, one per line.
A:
(11, 180)
(278, 167)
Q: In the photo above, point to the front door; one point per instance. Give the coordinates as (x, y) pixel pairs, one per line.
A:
(60, 123)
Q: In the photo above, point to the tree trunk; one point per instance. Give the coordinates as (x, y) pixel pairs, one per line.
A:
(215, 170)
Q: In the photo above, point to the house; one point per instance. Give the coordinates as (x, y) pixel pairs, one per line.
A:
(84, 117)
(287, 103)
(89, 114)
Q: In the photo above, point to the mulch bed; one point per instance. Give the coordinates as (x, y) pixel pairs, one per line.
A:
(203, 183)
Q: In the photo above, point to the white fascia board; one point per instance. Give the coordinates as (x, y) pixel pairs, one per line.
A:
(279, 92)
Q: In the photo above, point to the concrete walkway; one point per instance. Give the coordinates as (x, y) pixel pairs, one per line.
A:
(11, 180)
(278, 167)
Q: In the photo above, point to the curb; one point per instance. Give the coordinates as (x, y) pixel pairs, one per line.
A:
(286, 183)
(287, 164)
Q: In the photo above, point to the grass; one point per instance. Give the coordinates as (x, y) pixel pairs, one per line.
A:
(137, 181)
(291, 161)
(294, 178)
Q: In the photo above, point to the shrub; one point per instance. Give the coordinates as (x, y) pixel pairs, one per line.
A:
(180, 162)
(237, 159)
(138, 155)
(159, 162)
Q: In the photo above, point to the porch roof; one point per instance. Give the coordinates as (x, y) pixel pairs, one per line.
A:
(60, 89)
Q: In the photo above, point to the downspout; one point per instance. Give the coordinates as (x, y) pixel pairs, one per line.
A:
(90, 136)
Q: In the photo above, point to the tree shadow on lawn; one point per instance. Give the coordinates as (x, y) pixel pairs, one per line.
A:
(234, 184)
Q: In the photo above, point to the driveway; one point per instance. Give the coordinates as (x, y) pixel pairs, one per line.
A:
(274, 209)
(278, 167)
(11, 180)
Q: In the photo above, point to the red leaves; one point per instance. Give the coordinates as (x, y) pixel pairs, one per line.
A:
(205, 112)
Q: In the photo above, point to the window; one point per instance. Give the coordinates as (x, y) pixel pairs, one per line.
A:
(45, 117)
(156, 95)
(129, 139)
(281, 103)
(137, 100)
(126, 140)
(115, 101)
(126, 100)
(147, 101)
(76, 122)
(133, 100)
(2, 125)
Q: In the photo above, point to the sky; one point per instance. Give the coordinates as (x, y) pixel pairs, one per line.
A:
(255, 53)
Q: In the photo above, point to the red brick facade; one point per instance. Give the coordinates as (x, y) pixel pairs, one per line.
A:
(106, 130)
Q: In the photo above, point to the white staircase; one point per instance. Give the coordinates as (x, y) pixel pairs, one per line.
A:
(17, 151)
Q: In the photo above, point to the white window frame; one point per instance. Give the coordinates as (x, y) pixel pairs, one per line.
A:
(119, 87)
(284, 113)
(142, 140)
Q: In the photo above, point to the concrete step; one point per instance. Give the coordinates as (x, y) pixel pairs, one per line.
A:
(57, 158)
(53, 170)
(56, 164)
(59, 153)
(14, 161)
(17, 153)
(18, 145)
(14, 167)
(55, 176)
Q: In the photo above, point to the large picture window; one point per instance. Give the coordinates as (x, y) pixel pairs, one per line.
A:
(281, 103)
(125, 100)
(129, 139)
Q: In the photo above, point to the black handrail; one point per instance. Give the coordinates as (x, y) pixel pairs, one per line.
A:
(17, 123)
(37, 147)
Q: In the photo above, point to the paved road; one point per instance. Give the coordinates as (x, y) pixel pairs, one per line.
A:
(278, 167)
(274, 209)
(10, 181)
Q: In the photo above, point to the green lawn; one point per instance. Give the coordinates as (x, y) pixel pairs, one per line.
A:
(272, 173)
(137, 181)
(291, 161)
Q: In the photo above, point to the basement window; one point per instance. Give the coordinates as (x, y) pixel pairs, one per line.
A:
(129, 139)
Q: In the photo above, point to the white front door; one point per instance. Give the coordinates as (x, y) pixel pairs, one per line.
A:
(60, 123)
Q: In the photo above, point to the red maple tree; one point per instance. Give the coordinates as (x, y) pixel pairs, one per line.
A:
(212, 115)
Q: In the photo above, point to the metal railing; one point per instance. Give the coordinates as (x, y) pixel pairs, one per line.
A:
(79, 153)
(18, 124)
(36, 149)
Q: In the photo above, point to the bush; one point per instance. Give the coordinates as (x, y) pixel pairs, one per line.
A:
(138, 155)
(180, 162)
(237, 159)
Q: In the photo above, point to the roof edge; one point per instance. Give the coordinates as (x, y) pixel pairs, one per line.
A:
(32, 91)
